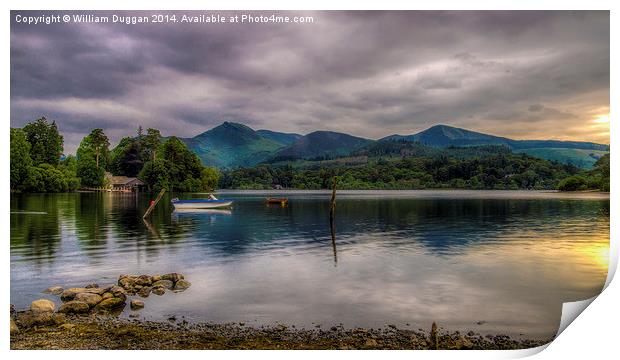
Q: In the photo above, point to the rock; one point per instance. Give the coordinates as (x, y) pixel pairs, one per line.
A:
(136, 304)
(69, 294)
(90, 286)
(90, 299)
(97, 290)
(143, 280)
(107, 295)
(126, 282)
(66, 326)
(110, 304)
(14, 328)
(54, 290)
(158, 290)
(42, 305)
(182, 285)
(118, 292)
(280, 327)
(174, 277)
(155, 278)
(145, 291)
(463, 343)
(168, 284)
(74, 307)
(28, 319)
(371, 343)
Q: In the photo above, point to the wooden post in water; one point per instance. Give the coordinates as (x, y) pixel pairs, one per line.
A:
(152, 206)
(332, 216)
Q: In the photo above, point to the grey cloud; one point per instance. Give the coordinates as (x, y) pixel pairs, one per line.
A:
(367, 73)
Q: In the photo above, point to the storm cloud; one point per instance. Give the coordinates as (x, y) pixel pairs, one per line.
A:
(534, 75)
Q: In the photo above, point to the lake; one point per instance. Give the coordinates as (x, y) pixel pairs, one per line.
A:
(488, 261)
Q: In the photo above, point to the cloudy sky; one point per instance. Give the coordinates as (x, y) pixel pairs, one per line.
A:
(525, 75)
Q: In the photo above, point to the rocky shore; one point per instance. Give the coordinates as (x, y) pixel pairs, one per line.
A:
(87, 319)
(108, 332)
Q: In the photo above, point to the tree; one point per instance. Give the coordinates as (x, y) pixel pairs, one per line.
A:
(100, 143)
(89, 170)
(20, 158)
(152, 141)
(155, 174)
(573, 183)
(46, 144)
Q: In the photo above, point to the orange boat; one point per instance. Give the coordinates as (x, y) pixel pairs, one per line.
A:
(280, 201)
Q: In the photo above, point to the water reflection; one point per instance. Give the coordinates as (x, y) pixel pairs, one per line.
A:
(508, 261)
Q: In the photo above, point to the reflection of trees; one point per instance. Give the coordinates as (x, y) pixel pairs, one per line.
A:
(36, 236)
(441, 226)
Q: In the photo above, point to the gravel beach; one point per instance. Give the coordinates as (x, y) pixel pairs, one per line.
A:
(107, 332)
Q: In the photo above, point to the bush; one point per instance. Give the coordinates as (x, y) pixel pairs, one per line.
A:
(573, 183)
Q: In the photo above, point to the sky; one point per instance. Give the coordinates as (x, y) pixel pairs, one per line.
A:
(521, 74)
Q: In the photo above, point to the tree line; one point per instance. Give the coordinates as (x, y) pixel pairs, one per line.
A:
(481, 168)
(38, 164)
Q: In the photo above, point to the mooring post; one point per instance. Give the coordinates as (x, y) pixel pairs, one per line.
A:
(154, 203)
(332, 209)
(434, 338)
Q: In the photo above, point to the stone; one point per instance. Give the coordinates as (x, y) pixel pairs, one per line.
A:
(54, 290)
(97, 290)
(110, 304)
(12, 309)
(165, 283)
(126, 282)
(371, 343)
(155, 278)
(42, 305)
(145, 291)
(143, 280)
(89, 298)
(106, 295)
(463, 343)
(74, 307)
(174, 277)
(69, 294)
(136, 304)
(90, 286)
(182, 285)
(158, 290)
(67, 326)
(118, 292)
(14, 328)
(28, 319)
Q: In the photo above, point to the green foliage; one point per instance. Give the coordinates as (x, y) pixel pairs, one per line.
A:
(92, 157)
(573, 183)
(46, 143)
(595, 179)
(177, 168)
(471, 168)
(46, 178)
(20, 158)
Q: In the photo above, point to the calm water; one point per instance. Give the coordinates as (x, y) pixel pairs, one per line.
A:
(506, 259)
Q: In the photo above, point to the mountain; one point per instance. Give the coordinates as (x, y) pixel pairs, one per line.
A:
(582, 154)
(321, 144)
(279, 137)
(232, 145)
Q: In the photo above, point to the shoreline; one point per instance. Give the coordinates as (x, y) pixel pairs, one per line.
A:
(108, 332)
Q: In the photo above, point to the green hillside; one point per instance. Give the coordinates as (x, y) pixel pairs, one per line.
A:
(582, 158)
(232, 145)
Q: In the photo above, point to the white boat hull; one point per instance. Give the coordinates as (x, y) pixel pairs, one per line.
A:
(202, 205)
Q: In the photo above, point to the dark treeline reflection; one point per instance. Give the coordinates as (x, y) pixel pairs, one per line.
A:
(104, 222)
